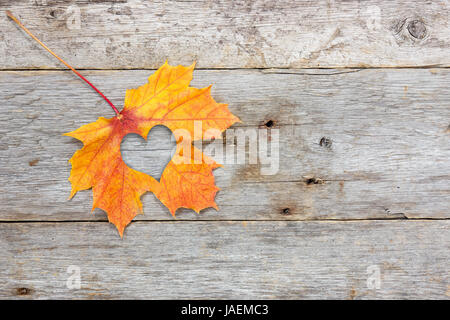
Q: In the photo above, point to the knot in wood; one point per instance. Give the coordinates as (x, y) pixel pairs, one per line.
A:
(417, 29)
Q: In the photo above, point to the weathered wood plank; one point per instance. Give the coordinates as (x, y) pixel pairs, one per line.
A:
(241, 260)
(228, 34)
(389, 156)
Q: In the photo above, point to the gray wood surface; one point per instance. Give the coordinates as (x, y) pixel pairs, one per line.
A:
(359, 94)
(388, 156)
(197, 259)
(228, 34)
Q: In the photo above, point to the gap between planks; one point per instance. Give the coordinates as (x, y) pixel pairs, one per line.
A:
(352, 69)
(398, 218)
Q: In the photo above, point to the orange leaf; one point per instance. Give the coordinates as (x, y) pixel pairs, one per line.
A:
(186, 182)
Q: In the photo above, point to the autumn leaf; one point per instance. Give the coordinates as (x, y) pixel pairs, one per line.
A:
(166, 100)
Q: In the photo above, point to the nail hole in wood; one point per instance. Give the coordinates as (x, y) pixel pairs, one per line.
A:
(33, 162)
(269, 124)
(325, 142)
(313, 180)
(23, 291)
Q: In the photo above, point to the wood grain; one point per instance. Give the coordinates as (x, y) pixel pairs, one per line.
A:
(386, 155)
(239, 260)
(358, 91)
(228, 34)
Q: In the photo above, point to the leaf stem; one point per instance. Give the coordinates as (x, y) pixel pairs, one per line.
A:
(10, 15)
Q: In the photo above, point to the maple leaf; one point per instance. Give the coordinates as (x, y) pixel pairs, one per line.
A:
(166, 100)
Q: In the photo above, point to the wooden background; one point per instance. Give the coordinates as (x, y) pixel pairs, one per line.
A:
(370, 76)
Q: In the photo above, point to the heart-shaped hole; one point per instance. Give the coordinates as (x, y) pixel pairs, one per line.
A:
(151, 156)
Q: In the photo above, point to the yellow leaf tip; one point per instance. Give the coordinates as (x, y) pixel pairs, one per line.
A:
(72, 194)
(172, 212)
(120, 228)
